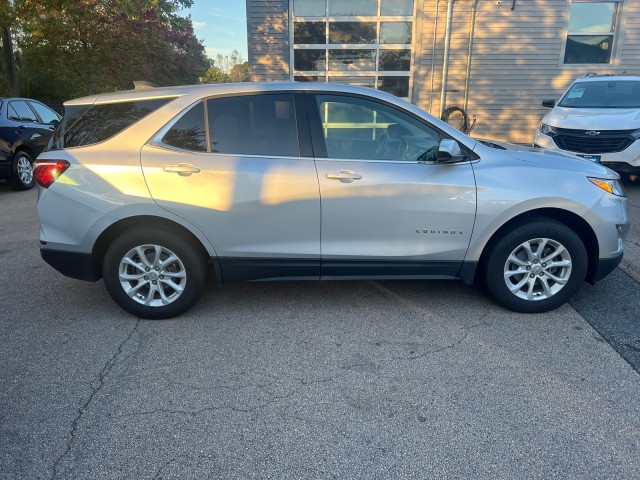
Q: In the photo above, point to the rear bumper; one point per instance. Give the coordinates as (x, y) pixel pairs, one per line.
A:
(72, 264)
(605, 267)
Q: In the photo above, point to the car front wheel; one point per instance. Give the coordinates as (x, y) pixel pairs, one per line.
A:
(536, 267)
(154, 274)
(22, 177)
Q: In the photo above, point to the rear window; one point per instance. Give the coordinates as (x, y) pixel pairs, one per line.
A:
(89, 124)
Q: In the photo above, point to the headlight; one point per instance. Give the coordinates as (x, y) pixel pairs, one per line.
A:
(612, 186)
(636, 134)
(547, 129)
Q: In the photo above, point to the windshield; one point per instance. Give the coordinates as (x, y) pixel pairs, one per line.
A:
(604, 94)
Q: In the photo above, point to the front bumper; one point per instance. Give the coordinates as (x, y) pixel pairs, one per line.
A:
(627, 161)
(605, 267)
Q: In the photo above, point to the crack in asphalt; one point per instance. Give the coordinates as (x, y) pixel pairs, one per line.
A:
(264, 404)
(166, 464)
(102, 375)
(305, 383)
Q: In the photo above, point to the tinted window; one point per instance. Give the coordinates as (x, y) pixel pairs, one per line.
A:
(397, 60)
(71, 116)
(352, 60)
(357, 128)
(309, 32)
(19, 110)
(353, 7)
(309, 7)
(100, 122)
(352, 32)
(395, 32)
(189, 132)
(309, 59)
(396, 7)
(46, 114)
(253, 125)
(398, 86)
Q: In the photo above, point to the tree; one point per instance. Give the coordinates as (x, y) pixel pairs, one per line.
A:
(10, 76)
(227, 68)
(69, 48)
(239, 72)
(213, 75)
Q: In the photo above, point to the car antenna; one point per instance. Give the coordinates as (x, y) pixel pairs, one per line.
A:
(143, 85)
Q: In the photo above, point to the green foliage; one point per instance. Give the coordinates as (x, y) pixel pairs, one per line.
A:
(213, 75)
(227, 68)
(70, 48)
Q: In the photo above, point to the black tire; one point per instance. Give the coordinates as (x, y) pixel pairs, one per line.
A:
(22, 173)
(561, 266)
(151, 280)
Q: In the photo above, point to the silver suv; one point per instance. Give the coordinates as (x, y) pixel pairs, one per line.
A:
(153, 188)
(597, 118)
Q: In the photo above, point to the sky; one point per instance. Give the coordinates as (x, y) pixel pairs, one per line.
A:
(221, 24)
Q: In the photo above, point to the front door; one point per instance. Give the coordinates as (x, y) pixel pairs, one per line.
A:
(388, 208)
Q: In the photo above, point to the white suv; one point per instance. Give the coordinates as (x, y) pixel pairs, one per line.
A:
(597, 118)
(151, 189)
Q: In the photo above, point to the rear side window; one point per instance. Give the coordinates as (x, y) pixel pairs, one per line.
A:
(262, 125)
(20, 111)
(189, 133)
(88, 125)
(46, 114)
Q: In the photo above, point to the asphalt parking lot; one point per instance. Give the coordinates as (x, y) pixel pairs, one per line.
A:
(313, 380)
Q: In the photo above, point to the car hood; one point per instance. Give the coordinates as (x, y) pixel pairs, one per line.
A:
(594, 118)
(552, 160)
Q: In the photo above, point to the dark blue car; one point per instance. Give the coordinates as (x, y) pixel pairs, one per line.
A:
(25, 128)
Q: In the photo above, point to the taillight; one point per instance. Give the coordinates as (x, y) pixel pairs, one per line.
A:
(45, 172)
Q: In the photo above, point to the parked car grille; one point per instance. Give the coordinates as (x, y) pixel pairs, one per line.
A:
(607, 141)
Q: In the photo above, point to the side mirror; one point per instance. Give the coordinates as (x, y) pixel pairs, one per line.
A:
(548, 103)
(449, 151)
(54, 122)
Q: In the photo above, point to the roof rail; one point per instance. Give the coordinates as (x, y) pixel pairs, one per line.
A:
(594, 74)
(143, 85)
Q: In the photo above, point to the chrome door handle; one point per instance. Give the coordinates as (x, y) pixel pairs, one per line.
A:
(345, 175)
(184, 169)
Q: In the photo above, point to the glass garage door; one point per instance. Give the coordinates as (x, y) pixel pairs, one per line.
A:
(359, 42)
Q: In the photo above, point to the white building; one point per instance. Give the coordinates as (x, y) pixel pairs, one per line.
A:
(504, 56)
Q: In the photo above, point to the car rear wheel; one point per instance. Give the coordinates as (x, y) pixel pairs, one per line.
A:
(22, 177)
(154, 274)
(536, 267)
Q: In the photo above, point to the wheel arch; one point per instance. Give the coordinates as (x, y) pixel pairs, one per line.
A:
(570, 219)
(143, 221)
(22, 147)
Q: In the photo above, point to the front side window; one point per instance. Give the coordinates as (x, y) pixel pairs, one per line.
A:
(591, 33)
(263, 125)
(361, 129)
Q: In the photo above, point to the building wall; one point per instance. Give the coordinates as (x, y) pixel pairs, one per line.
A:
(268, 39)
(516, 61)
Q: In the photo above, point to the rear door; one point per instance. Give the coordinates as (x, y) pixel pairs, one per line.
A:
(26, 126)
(388, 208)
(234, 167)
